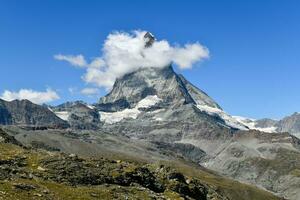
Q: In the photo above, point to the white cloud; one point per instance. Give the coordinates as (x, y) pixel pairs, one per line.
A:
(123, 53)
(187, 56)
(78, 61)
(31, 95)
(89, 91)
(97, 63)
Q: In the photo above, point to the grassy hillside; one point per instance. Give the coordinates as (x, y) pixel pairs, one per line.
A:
(40, 174)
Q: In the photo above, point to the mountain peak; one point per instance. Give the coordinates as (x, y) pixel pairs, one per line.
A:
(133, 87)
(149, 38)
(171, 92)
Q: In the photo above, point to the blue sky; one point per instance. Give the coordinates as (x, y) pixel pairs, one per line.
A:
(253, 69)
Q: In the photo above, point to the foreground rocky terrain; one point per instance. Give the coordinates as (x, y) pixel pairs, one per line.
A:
(30, 173)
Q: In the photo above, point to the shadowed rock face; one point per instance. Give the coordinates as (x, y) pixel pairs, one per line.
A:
(5, 115)
(26, 113)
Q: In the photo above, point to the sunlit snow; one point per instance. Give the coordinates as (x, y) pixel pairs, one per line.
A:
(229, 120)
(113, 117)
(64, 115)
(251, 123)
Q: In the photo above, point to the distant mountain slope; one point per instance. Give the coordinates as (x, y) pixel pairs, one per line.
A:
(289, 124)
(26, 113)
(78, 114)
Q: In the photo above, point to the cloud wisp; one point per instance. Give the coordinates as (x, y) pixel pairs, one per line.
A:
(77, 61)
(90, 91)
(31, 95)
(123, 53)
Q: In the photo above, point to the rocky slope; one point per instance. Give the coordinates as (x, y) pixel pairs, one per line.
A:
(269, 160)
(39, 174)
(290, 124)
(26, 113)
(78, 114)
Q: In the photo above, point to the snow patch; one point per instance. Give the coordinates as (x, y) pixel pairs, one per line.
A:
(229, 120)
(64, 115)
(251, 123)
(90, 106)
(271, 129)
(114, 117)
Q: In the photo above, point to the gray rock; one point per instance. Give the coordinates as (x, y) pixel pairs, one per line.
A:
(289, 124)
(80, 115)
(265, 123)
(26, 113)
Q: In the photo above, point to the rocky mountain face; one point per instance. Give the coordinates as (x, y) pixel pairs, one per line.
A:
(78, 114)
(133, 87)
(265, 123)
(290, 124)
(159, 94)
(25, 113)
